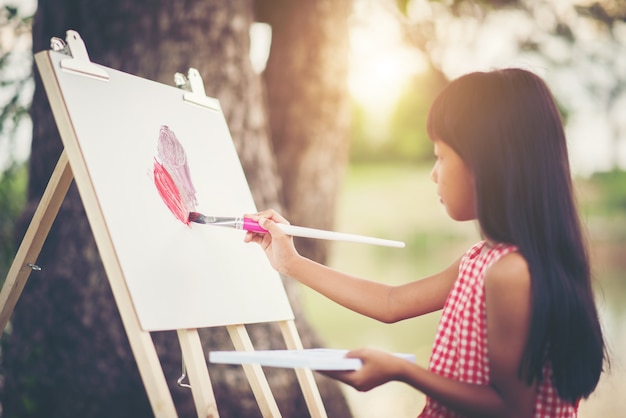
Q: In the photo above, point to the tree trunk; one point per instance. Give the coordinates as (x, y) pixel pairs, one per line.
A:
(306, 81)
(66, 354)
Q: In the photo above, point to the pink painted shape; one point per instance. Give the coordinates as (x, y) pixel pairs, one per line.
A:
(169, 193)
(172, 178)
(173, 157)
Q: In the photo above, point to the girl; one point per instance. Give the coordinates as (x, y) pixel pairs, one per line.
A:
(519, 334)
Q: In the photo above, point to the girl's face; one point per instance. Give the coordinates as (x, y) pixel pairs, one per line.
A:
(455, 183)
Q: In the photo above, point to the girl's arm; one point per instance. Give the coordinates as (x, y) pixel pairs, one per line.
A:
(376, 300)
(507, 286)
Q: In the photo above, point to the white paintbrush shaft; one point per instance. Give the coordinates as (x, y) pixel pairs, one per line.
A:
(301, 231)
(295, 231)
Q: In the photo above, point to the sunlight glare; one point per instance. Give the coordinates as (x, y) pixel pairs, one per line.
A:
(380, 62)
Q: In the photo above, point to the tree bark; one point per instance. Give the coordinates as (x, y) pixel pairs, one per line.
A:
(306, 80)
(66, 354)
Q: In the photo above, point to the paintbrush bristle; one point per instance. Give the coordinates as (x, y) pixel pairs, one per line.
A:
(196, 217)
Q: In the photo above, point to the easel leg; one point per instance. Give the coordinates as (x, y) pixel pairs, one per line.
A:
(34, 238)
(140, 340)
(310, 390)
(150, 370)
(254, 372)
(199, 380)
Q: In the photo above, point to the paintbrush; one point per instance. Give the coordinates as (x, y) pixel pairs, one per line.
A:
(248, 224)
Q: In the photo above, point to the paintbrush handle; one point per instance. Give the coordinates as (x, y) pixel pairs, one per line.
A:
(300, 231)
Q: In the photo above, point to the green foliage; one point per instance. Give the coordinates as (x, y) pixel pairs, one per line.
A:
(608, 12)
(403, 5)
(408, 122)
(360, 147)
(610, 193)
(403, 138)
(13, 104)
(13, 182)
(13, 110)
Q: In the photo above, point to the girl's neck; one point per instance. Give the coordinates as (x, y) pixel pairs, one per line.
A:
(489, 244)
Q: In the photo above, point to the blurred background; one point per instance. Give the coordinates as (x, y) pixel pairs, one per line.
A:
(400, 54)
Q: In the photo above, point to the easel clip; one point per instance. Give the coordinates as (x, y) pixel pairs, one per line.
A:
(79, 62)
(194, 85)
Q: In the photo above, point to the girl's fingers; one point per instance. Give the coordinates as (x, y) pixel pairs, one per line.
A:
(268, 214)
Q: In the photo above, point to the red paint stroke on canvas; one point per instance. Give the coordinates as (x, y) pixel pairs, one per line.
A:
(172, 177)
(169, 193)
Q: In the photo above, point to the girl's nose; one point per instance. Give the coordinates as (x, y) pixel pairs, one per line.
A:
(433, 173)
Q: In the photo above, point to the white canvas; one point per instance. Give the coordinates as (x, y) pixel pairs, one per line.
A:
(178, 276)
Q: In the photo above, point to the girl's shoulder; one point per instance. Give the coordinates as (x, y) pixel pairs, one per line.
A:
(509, 270)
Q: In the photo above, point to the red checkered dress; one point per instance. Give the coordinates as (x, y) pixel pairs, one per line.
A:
(460, 348)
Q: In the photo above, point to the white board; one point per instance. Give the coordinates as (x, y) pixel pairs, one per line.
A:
(312, 358)
(179, 276)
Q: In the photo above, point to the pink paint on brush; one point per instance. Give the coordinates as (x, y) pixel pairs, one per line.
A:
(172, 177)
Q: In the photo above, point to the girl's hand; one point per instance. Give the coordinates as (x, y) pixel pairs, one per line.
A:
(378, 367)
(278, 246)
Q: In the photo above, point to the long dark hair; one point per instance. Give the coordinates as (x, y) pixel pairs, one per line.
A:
(506, 127)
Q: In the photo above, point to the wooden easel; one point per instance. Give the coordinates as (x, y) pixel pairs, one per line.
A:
(71, 166)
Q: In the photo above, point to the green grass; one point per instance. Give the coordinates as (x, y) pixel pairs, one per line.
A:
(604, 193)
